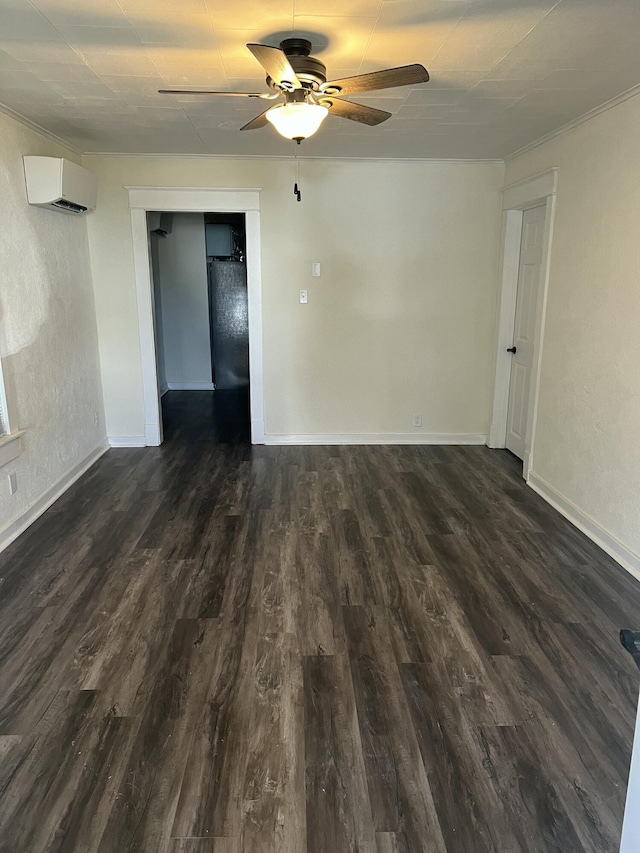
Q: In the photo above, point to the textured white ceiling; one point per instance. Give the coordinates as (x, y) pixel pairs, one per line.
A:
(503, 72)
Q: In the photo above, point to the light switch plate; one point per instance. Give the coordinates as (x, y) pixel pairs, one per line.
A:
(303, 297)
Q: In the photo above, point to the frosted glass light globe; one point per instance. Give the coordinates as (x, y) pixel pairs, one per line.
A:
(298, 120)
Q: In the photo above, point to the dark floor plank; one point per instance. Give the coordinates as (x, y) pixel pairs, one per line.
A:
(550, 703)
(455, 647)
(408, 528)
(210, 799)
(320, 627)
(55, 650)
(470, 812)
(408, 626)
(553, 810)
(401, 799)
(274, 818)
(481, 599)
(355, 576)
(210, 802)
(143, 810)
(59, 768)
(210, 569)
(205, 845)
(84, 804)
(123, 666)
(392, 842)
(338, 810)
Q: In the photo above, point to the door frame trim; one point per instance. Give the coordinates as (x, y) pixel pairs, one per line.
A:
(195, 200)
(516, 198)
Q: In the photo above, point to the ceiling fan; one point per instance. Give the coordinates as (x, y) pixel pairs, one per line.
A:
(301, 80)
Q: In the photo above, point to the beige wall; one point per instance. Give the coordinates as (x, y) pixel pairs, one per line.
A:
(586, 443)
(48, 339)
(401, 320)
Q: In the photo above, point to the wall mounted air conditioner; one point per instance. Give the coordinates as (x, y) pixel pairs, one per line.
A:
(59, 184)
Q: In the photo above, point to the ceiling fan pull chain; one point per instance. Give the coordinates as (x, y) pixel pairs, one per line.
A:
(296, 189)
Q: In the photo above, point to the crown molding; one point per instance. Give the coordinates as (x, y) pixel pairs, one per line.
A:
(286, 158)
(36, 127)
(202, 190)
(596, 111)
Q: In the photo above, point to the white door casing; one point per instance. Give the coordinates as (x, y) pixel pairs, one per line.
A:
(531, 253)
(516, 198)
(195, 200)
(630, 842)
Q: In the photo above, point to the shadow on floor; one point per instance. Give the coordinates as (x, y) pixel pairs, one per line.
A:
(221, 417)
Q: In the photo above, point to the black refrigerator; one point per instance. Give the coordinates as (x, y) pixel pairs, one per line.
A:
(229, 319)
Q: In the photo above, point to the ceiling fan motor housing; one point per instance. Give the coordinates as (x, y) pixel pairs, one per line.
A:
(310, 71)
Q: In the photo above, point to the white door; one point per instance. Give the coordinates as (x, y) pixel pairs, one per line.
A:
(524, 327)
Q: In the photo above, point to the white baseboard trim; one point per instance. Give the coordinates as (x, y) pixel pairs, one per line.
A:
(152, 435)
(257, 431)
(379, 438)
(12, 530)
(127, 441)
(613, 547)
(190, 386)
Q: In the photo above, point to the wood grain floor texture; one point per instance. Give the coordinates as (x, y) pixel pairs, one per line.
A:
(213, 648)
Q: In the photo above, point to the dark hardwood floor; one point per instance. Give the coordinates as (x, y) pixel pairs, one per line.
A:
(213, 648)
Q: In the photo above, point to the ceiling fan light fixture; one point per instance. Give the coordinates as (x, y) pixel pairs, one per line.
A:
(297, 121)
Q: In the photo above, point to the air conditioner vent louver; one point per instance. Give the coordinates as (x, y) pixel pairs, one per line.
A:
(69, 205)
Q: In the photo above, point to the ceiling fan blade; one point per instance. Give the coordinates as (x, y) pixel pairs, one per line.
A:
(354, 112)
(406, 75)
(257, 122)
(275, 63)
(263, 95)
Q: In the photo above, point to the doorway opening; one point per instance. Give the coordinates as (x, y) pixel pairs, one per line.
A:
(200, 301)
(190, 200)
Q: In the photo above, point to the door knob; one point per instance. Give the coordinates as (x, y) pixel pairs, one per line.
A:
(512, 350)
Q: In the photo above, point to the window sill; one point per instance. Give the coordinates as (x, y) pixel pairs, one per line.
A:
(10, 447)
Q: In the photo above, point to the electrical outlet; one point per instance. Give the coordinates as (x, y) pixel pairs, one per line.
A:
(13, 483)
(96, 419)
(417, 419)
